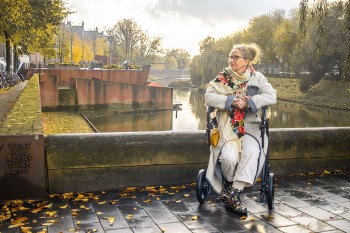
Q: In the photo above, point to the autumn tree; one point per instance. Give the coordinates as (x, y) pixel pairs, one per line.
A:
(181, 56)
(127, 40)
(24, 21)
(319, 12)
(127, 34)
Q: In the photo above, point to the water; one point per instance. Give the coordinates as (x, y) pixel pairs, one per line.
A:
(192, 116)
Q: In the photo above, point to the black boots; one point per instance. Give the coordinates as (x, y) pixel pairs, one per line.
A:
(225, 194)
(235, 202)
(233, 198)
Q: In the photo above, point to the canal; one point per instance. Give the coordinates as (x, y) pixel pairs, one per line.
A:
(192, 116)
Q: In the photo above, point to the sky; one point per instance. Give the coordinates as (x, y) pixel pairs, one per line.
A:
(181, 24)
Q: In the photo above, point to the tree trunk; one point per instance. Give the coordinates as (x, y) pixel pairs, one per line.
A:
(15, 58)
(8, 51)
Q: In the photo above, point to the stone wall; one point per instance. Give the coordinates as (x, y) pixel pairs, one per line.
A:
(90, 162)
(117, 90)
(119, 76)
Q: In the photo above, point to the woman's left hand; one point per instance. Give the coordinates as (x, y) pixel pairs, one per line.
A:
(241, 103)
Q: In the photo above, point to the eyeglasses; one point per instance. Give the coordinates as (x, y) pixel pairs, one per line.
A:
(235, 57)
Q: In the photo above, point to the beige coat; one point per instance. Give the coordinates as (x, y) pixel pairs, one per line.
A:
(265, 97)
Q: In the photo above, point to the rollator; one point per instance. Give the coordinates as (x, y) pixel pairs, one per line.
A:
(267, 189)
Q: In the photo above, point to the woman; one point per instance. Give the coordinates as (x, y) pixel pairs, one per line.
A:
(238, 93)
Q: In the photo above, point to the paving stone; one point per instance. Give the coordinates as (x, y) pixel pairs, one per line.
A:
(85, 212)
(194, 222)
(260, 227)
(107, 211)
(63, 225)
(138, 219)
(275, 219)
(90, 227)
(345, 204)
(319, 213)
(177, 208)
(227, 224)
(313, 224)
(286, 210)
(294, 229)
(255, 207)
(159, 213)
(174, 227)
(343, 225)
(330, 197)
(337, 210)
(123, 230)
(207, 210)
(292, 201)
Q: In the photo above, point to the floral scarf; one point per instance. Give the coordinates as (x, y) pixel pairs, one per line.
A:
(238, 85)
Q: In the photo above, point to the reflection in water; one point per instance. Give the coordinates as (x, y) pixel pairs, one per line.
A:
(291, 115)
(193, 117)
(153, 121)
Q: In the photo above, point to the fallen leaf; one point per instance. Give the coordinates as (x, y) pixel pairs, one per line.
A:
(84, 207)
(101, 203)
(194, 217)
(243, 217)
(47, 224)
(52, 221)
(187, 195)
(48, 206)
(26, 229)
(110, 220)
(99, 213)
(64, 207)
(50, 213)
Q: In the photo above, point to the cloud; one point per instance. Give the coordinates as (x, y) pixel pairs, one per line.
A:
(181, 23)
(219, 10)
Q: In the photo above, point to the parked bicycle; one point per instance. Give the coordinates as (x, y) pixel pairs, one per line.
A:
(8, 80)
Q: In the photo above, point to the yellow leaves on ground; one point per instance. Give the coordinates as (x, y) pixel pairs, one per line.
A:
(194, 218)
(84, 207)
(50, 213)
(64, 122)
(63, 207)
(129, 217)
(26, 229)
(110, 220)
(9, 209)
(19, 221)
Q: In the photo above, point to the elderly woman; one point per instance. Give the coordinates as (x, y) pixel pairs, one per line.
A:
(237, 94)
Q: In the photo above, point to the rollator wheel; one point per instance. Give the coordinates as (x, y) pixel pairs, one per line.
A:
(203, 187)
(270, 190)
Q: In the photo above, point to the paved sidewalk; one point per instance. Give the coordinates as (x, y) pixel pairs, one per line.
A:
(303, 203)
(9, 97)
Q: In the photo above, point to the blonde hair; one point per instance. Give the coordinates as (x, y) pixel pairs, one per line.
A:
(249, 51)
